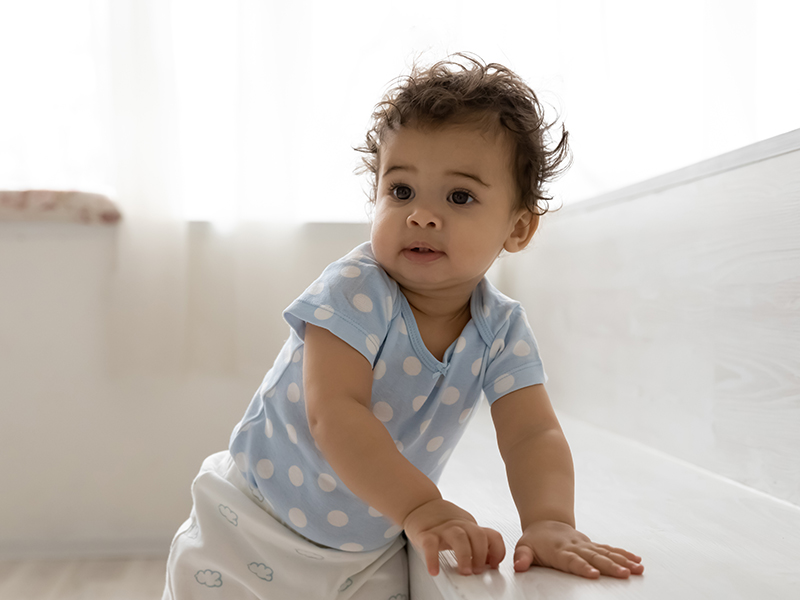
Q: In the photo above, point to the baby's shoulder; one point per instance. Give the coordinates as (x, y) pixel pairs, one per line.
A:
(355, 287)
(496, 311)
(360, 269)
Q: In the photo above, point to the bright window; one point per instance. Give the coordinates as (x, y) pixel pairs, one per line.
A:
(263, 101)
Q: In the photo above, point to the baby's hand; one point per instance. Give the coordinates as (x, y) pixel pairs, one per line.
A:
(557, 545)
(441, 525)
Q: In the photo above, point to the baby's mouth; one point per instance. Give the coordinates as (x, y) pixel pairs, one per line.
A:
(422, 248)
(422, 253)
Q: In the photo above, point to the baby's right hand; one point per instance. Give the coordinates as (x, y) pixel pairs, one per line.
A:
(441, 525)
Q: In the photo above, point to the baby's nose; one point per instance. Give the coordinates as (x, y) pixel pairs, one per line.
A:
(424, 217)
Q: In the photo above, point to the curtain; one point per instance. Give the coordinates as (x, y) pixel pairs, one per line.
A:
(247, 110)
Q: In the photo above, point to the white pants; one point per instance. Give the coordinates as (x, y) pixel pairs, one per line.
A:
(233, 548)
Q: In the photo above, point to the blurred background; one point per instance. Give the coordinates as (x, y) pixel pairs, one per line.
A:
(227, 105)
(223, 130)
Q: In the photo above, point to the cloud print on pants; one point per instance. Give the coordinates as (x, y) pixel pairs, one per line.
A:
(232, 517)
(346, 585)
(261, 571)
(209, 578)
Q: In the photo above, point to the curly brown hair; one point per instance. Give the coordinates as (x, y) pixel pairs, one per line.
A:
(452, 92)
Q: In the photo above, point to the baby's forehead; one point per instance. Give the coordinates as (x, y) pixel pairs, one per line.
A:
(466, 139)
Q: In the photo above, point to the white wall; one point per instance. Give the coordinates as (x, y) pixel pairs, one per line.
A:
(98, 446)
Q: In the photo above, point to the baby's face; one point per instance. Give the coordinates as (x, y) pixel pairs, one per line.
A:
(445, 206)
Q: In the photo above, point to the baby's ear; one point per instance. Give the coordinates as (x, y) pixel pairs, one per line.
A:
(524, 227)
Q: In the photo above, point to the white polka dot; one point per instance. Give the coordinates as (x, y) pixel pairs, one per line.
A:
(387, 307)
(392, 531)
(476, 367)
(324, 312)
(418, 402)
(297, 356)
(268, 428)
(445, 456)
(497, 346)
(464, 416)
(351, 547)
(245, 427)
(508, 314)
(435, 444)
(379, 370)
(292, 433)
(298, 517)
(383, 412)
(460, 344)
(337, 518)
(402, 327)
(374, 512)
(412, 366)
(270, 393)
(316, 288)
(295, 476)
(521, 348)
(241, 461)
(399, 445)
(373, 343)
(326, 483)
(350, 272)
(486, 310)
(503, 383)
(293, 392)
(265, 468)
(362, 303)
(424, 426)
(450, 396)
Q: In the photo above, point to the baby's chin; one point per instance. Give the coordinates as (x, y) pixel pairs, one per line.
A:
(433, 286)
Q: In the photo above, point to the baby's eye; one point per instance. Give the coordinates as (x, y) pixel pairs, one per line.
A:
(461, 197)
(402, 192)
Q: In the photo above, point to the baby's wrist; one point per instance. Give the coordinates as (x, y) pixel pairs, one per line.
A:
(550, 520)
(419, 508)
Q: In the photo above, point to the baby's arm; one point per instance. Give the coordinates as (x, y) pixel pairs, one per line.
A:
(338, 389)
(540, 476)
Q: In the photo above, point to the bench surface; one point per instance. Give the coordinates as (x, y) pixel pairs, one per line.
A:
(699, 535)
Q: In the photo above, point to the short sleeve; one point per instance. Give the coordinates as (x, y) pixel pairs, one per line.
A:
(514, 361)
(354, 299)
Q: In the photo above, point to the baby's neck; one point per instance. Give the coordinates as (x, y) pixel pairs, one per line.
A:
(440, 319)
(440, 306)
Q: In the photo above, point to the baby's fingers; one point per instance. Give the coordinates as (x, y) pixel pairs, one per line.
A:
(430, 548)
(607, 563)
(523, 558)
(457, 540)
(497, 548)
(480, 548)
(628, 555)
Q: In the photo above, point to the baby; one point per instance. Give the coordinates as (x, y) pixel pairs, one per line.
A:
(390, 351)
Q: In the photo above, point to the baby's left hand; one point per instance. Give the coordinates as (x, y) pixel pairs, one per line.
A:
(557, 545)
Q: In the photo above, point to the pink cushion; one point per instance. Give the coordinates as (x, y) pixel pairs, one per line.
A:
(47, 205)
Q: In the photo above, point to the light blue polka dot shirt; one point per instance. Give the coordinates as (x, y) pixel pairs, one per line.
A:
(425, 404)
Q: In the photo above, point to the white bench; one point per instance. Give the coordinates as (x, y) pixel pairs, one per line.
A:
(699, 535)
(668, 318)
